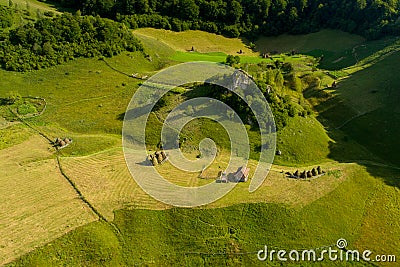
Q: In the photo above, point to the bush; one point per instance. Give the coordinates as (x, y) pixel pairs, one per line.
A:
(49, 14)
(292, 110)
(231, 31)
(232, 60)
(311, 81)
(27, 108)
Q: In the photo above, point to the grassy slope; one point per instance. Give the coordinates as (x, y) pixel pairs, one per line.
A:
(192, 236)
(340, 49)
(85, 99)
(325, 217)
(84, 96)
(37, 204)
(202, 41)
(370, 96)
(208, 46)
(336, 46)
(31, 5)
(329, 40)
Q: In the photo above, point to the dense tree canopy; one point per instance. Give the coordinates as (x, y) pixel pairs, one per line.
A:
(371, 18)
(49, 42)
(6, 17)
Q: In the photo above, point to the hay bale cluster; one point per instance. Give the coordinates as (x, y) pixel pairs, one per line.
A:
(157, 158)
(60, 143)
(306, 174)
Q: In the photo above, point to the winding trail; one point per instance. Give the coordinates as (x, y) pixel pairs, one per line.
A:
(73, 185)
(353, 118)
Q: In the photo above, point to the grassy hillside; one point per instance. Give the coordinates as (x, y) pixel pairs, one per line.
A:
(339, 49)
(37, 204)
(93, 88)
(202, 42)
(303, 141)
(85, 99)
(232, 235)
(329, 40)
(364, 106)
(358, 198)
(208, 47)
(31, 5)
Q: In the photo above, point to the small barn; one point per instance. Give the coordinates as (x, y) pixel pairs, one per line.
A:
(242, 174)
(223, 177)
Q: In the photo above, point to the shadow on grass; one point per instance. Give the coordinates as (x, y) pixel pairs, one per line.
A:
(363, 119)
(337, 60)
(134, 113)
(60, 7)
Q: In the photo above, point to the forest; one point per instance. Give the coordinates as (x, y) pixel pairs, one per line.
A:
(52, 41)
(370, 18)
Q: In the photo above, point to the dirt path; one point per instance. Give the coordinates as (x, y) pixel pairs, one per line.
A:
(353, 118)
(73, 185)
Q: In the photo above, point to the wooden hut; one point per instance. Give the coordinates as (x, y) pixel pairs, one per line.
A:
(223, 177)
(242, 174)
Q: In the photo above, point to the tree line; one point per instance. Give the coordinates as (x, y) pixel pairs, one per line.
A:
(371, 18)
(51, 41)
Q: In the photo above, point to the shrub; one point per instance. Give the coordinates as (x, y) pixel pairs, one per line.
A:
(27, 108)
(49, 14)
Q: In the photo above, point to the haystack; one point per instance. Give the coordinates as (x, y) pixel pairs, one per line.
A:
(314, 172)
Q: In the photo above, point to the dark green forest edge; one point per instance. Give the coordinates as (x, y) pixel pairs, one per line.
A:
(370, 18)
(49, 42)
